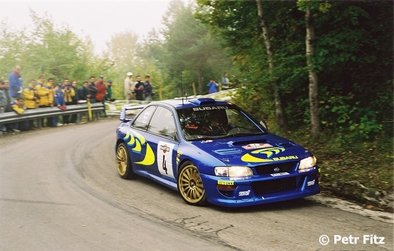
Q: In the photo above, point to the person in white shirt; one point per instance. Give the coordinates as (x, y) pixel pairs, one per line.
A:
(128, 86)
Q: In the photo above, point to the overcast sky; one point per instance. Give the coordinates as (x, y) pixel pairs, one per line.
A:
(98, 19)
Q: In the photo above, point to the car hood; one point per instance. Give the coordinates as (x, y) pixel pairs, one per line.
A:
(253, 151)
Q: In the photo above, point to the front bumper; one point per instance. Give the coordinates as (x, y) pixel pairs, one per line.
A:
(259, 189)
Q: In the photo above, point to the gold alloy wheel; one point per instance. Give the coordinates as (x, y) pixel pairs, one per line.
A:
(190, 185)
(122, 159)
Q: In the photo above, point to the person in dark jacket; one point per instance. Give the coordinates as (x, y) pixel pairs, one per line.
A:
(59, 101)
(109, 91)
(92, 90)
(139, 89)
(83, 92)
(148, 88)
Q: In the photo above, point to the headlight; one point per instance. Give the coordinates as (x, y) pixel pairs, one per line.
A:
(233, 171)
(307, 164)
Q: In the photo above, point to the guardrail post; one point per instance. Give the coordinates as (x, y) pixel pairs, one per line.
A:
(89, 110)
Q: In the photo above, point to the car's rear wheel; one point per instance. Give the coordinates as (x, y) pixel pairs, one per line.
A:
(124, 167)
(190, 185)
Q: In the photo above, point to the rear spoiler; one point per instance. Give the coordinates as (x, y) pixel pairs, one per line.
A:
(130, 111)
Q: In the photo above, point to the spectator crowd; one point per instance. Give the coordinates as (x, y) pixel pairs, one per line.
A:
(42, 92)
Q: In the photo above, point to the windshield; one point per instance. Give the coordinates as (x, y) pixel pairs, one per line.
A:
(212, 122)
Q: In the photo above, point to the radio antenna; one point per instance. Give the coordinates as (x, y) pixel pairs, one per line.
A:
(182, 89)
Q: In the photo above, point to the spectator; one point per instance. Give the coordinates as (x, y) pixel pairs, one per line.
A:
(101, 90)
(30, 99)
(45, 97)
(212, 86)
(92, 90)
(148, 88)
(109, 91)
(69, 94)
(51, 85)
(4, 101)
(29, 95)
(41, 80)
(15, 80)
(43, 94)
(139, 88)
(225, 81)
(59, 101)
(128, 85)
(83, 92)
(4, 88)
(74, 84)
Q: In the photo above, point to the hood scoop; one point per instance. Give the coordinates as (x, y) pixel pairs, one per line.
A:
(258, 144)
(250, 144)
(229, 151)
(246, 142)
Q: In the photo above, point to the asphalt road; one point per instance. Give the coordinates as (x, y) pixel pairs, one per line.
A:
(59, 190)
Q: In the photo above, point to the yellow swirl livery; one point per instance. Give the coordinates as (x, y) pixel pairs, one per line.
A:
(266, 154)
(149, 158)
(138, 143)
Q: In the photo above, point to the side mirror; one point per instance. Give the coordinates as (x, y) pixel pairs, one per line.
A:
(264, 125)
(123, 116)
(128, 112)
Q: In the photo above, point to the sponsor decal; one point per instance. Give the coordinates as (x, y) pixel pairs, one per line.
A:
(279, 174)
(244, 193)
(178, 157)
(209, 108)
(164, 158)
(266, 155)
(138, 143)
(226, 182)
(253, 146)
(310, 183)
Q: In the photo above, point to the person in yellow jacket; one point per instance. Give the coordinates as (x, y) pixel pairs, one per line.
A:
(29, 95)
(45, 95)
(30, 100)
(69, 92)
(51, 85)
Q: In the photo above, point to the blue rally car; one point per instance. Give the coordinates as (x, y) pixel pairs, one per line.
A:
(212, 151)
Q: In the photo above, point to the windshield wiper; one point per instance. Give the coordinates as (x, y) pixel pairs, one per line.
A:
(243, 134)
(205, 138)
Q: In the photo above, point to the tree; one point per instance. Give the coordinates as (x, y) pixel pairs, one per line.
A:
(309, 7)
(122, 49)
(190, 53)
(267, 41)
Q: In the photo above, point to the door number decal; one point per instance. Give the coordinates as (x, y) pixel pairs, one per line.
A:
(164, 153)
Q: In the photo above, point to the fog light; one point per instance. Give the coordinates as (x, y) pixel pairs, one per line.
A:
(226, 187)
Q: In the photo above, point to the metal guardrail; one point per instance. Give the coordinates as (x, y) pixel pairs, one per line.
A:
(113, 109)
(48, 112)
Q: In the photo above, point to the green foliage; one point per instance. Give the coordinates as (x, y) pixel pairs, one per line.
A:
(54, 52)
(353, 59)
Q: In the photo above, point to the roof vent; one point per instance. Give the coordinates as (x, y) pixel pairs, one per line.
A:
(202, 101)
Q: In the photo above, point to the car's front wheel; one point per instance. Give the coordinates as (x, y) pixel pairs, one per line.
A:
(124, 167)
(190, 185)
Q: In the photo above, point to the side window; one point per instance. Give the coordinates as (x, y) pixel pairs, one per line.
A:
(163, 123)
(143, 118)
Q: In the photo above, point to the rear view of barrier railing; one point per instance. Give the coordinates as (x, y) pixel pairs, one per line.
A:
(49, 112)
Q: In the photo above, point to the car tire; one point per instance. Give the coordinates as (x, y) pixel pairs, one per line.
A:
(123, 163)
(190, 185)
